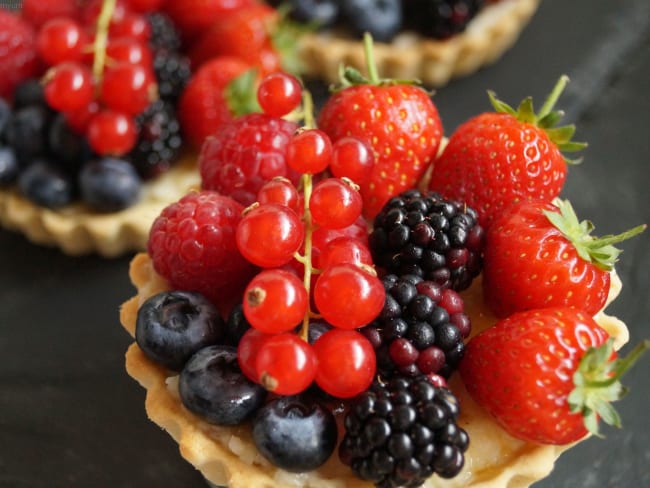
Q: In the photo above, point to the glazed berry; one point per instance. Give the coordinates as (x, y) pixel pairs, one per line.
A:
(295, 433)
(402, 432)
(173, 325)
(159, 140)
(381, 18)
(212, 385)
(279, 93)
(415, 333)
(245, 154)
(285, 364)
(69, 86)
(424, 234)
(45, 185)
(111, 133)
(192, 245)
(61, 39)
(109, 184)
(8, 166)
(236, 325)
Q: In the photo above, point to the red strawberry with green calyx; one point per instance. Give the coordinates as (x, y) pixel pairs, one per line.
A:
(500, 158)
(547, 375)
(397, 119)
(540, 255)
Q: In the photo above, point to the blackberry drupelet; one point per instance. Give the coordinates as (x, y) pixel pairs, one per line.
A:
(159, 141)
(172, 74)
(421, 329)
(164, 34)
(401, 432)
(425, 235)
(441, 19)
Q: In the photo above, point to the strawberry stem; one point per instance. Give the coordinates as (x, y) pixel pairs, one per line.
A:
(622, 365)
(101, 37)
(553, 97)
(371, 66)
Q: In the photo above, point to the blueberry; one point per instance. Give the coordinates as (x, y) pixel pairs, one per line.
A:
(173, 325)
(295, 433)
(66, 147)
(8, 166)
(26, 132)
(109, 184)
(46, 185)
(213, 386)
(322, 13)
(236, 325)
(381, 18)
(29, 93)
(5, 117)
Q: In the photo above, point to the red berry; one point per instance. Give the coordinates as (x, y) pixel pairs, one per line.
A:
(247, 349)
(38, 12)
(61, 39)
(281, 190)
(335, 203)
(349, 297)
(145, 6)
(279, 93)
(309, 151)
(18, 58)
(128, 88)
(69, 87)
(344, 249)
(78, 120)
(127, 50)
(346, 363)
(352, 158)
(269, 235)
(195, 16)
(245, 154)
(111, 133)
(275, 301)
(192, 245)
(92, 8)
(285, 364)
(133, 26)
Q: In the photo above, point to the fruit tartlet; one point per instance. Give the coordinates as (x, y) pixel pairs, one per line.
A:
(286, 342)
(433, 41)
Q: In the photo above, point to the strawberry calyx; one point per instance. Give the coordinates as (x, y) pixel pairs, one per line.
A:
(597, 250)
(283, 33)
(597, 384)
(350, 76)
(546, 119)
(241, 93)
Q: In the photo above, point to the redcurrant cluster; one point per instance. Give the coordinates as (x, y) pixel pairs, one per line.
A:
(312, 265)
(101, 78)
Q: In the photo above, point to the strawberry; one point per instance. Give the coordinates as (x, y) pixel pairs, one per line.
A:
(18, 59)
(499, 158)
(539, 255)
(244, 33)
(546, 375)
(193, 17)
(398, 120)
(217, 92)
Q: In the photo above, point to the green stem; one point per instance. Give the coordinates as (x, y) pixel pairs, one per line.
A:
(553, 97)
(371, 66)
(101, 37)
(624, 364)
(307, 185)
(615, 239)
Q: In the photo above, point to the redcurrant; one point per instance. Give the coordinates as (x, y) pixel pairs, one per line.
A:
(348, 297)
(280, 190)
(69, 87)
(309, 151)
(285, 364)
(61, 39)
(269, 235)
(279, 93)
(111, 133)
(352, 158)
(341, 250)
(129, 50)
(128, 88)
(247, 349)
(275, 301)
(335, 203)
(346, 363)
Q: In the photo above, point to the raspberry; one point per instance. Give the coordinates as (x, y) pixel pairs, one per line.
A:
(18, 59)
(245, 154)
(423, 234)
(402, 432)
(420, 329)
(192, 245)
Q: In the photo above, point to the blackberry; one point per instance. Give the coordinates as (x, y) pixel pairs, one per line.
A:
(421, 329)
(164, 34)
(401, 432)
(159, 140)
(172, 72)
(441, 19)
(423, 234)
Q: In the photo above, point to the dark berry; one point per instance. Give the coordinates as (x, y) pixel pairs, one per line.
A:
(66, 147)
(171, 326)
(46, 185)
(212, 385)
(236, 325)
(8, 166)
(5, 117)
(321, 13)
(381, 18)
(164, 34)
(441, 19)
(159, 140)
(27, 132)
(172, 74)
(401, 432)
(295, 433)
(29, 93)
(424, 235)
(109, 184)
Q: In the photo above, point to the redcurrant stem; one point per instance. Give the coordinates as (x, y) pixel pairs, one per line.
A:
(307, 185)
(101, 37)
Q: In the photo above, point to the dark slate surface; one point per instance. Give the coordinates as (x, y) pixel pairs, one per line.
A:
(71, 417)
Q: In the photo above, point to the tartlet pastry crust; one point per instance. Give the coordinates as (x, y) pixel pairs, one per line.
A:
(77, 230)
(410, 56)
(226, 456)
